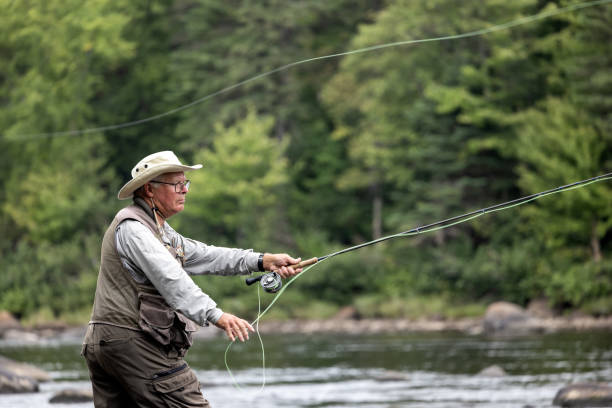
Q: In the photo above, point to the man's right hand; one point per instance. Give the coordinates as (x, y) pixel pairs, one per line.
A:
(234, 327)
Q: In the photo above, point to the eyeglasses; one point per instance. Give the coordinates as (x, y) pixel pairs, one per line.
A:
(178, 186)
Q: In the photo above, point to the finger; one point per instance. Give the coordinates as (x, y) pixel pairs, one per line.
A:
(249, 326)
(240, 337)
(291, 261)
(283, 272)
(245, 331)
(243, 328)
(229, 333)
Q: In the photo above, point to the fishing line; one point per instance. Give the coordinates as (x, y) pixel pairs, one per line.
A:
(436, 226)
(499, 27)
(263, 352)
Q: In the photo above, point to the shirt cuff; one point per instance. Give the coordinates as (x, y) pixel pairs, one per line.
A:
(251, 261)
(213, 315)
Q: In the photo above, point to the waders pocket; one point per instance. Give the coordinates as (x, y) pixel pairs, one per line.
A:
(179, 387)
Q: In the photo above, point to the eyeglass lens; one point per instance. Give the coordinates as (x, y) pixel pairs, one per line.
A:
(178, 187)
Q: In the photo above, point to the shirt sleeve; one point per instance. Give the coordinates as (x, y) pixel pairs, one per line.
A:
(146, 253)
(201, 259)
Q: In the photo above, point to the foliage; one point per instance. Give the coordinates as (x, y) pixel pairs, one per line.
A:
(317, 157)
(237, 192)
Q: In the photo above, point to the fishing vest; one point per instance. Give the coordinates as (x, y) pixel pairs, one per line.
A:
(123, 302)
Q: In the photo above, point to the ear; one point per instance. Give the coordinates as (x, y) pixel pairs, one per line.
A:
(148, 190)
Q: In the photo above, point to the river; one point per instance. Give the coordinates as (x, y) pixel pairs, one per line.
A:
(432, 370)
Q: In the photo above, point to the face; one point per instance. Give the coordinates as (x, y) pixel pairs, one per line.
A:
(166, 199)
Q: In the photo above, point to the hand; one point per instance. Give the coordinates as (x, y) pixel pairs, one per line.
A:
(281, 264)
(234, 327)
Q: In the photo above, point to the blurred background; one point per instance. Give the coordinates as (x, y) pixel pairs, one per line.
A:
(317, 157)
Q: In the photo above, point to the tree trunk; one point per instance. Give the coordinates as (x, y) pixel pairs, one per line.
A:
(595, 246)
(376, 211)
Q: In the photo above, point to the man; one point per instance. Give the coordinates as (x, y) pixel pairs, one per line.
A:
(145, 304)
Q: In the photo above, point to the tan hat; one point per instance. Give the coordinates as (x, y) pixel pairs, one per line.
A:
(150, 167)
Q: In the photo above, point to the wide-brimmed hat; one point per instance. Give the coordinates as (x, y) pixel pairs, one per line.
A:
(150, 167)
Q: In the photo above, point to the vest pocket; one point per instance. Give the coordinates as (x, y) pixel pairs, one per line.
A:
(156, 318)
(167, 327)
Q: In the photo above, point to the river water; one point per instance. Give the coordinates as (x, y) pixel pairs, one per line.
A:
(379, 371)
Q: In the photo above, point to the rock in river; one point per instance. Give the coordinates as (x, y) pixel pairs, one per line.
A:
(10, 383)
(23, 370)
(72, 396)
(504, 317)
(19, 377)
(584, 395)
(492, 371)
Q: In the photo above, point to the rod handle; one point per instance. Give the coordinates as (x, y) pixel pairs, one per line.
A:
(306, 262)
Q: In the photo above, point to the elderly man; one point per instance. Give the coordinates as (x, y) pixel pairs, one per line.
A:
(145, 304)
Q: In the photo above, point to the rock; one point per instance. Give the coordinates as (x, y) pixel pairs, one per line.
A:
(493, 371)
(540, 308)
(584, 395)
(21, 336)
(10, 383)
(347, 312)
(391, 375)
(504, 316)
(71, 396)
(7, 321)
(17, 369)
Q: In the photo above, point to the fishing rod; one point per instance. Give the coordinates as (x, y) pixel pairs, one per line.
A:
(271, 282)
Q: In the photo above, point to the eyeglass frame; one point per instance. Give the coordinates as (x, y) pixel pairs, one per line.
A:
(185, 184)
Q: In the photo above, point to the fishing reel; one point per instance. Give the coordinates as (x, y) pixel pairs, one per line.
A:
(271, 282)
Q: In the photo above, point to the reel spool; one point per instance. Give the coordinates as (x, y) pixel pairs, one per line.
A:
(271, 282)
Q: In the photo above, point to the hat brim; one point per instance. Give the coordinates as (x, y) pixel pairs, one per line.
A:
(127, 191)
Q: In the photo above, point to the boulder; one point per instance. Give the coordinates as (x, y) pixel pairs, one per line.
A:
(493, 371)
(71, 396)
(392, 375)
(584, 395)
(10, 383)
(7, 321)
(505, 316)
(17, 369)
(347, 312)
(21, 336)
(540, 308)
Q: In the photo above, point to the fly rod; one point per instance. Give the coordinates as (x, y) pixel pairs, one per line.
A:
(271, 282)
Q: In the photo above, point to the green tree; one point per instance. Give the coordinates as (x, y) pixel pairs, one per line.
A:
(62, 61)
(559, 144)
(225, 42)
(235, 197)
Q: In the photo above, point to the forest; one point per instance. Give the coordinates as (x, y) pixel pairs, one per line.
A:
(317, 156)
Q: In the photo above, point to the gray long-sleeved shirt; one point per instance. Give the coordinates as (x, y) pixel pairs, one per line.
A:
(148, 260)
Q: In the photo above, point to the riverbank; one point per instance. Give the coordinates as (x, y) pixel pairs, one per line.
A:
(473, 326)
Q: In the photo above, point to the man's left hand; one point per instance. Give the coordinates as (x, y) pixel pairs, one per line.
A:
(282, 264)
